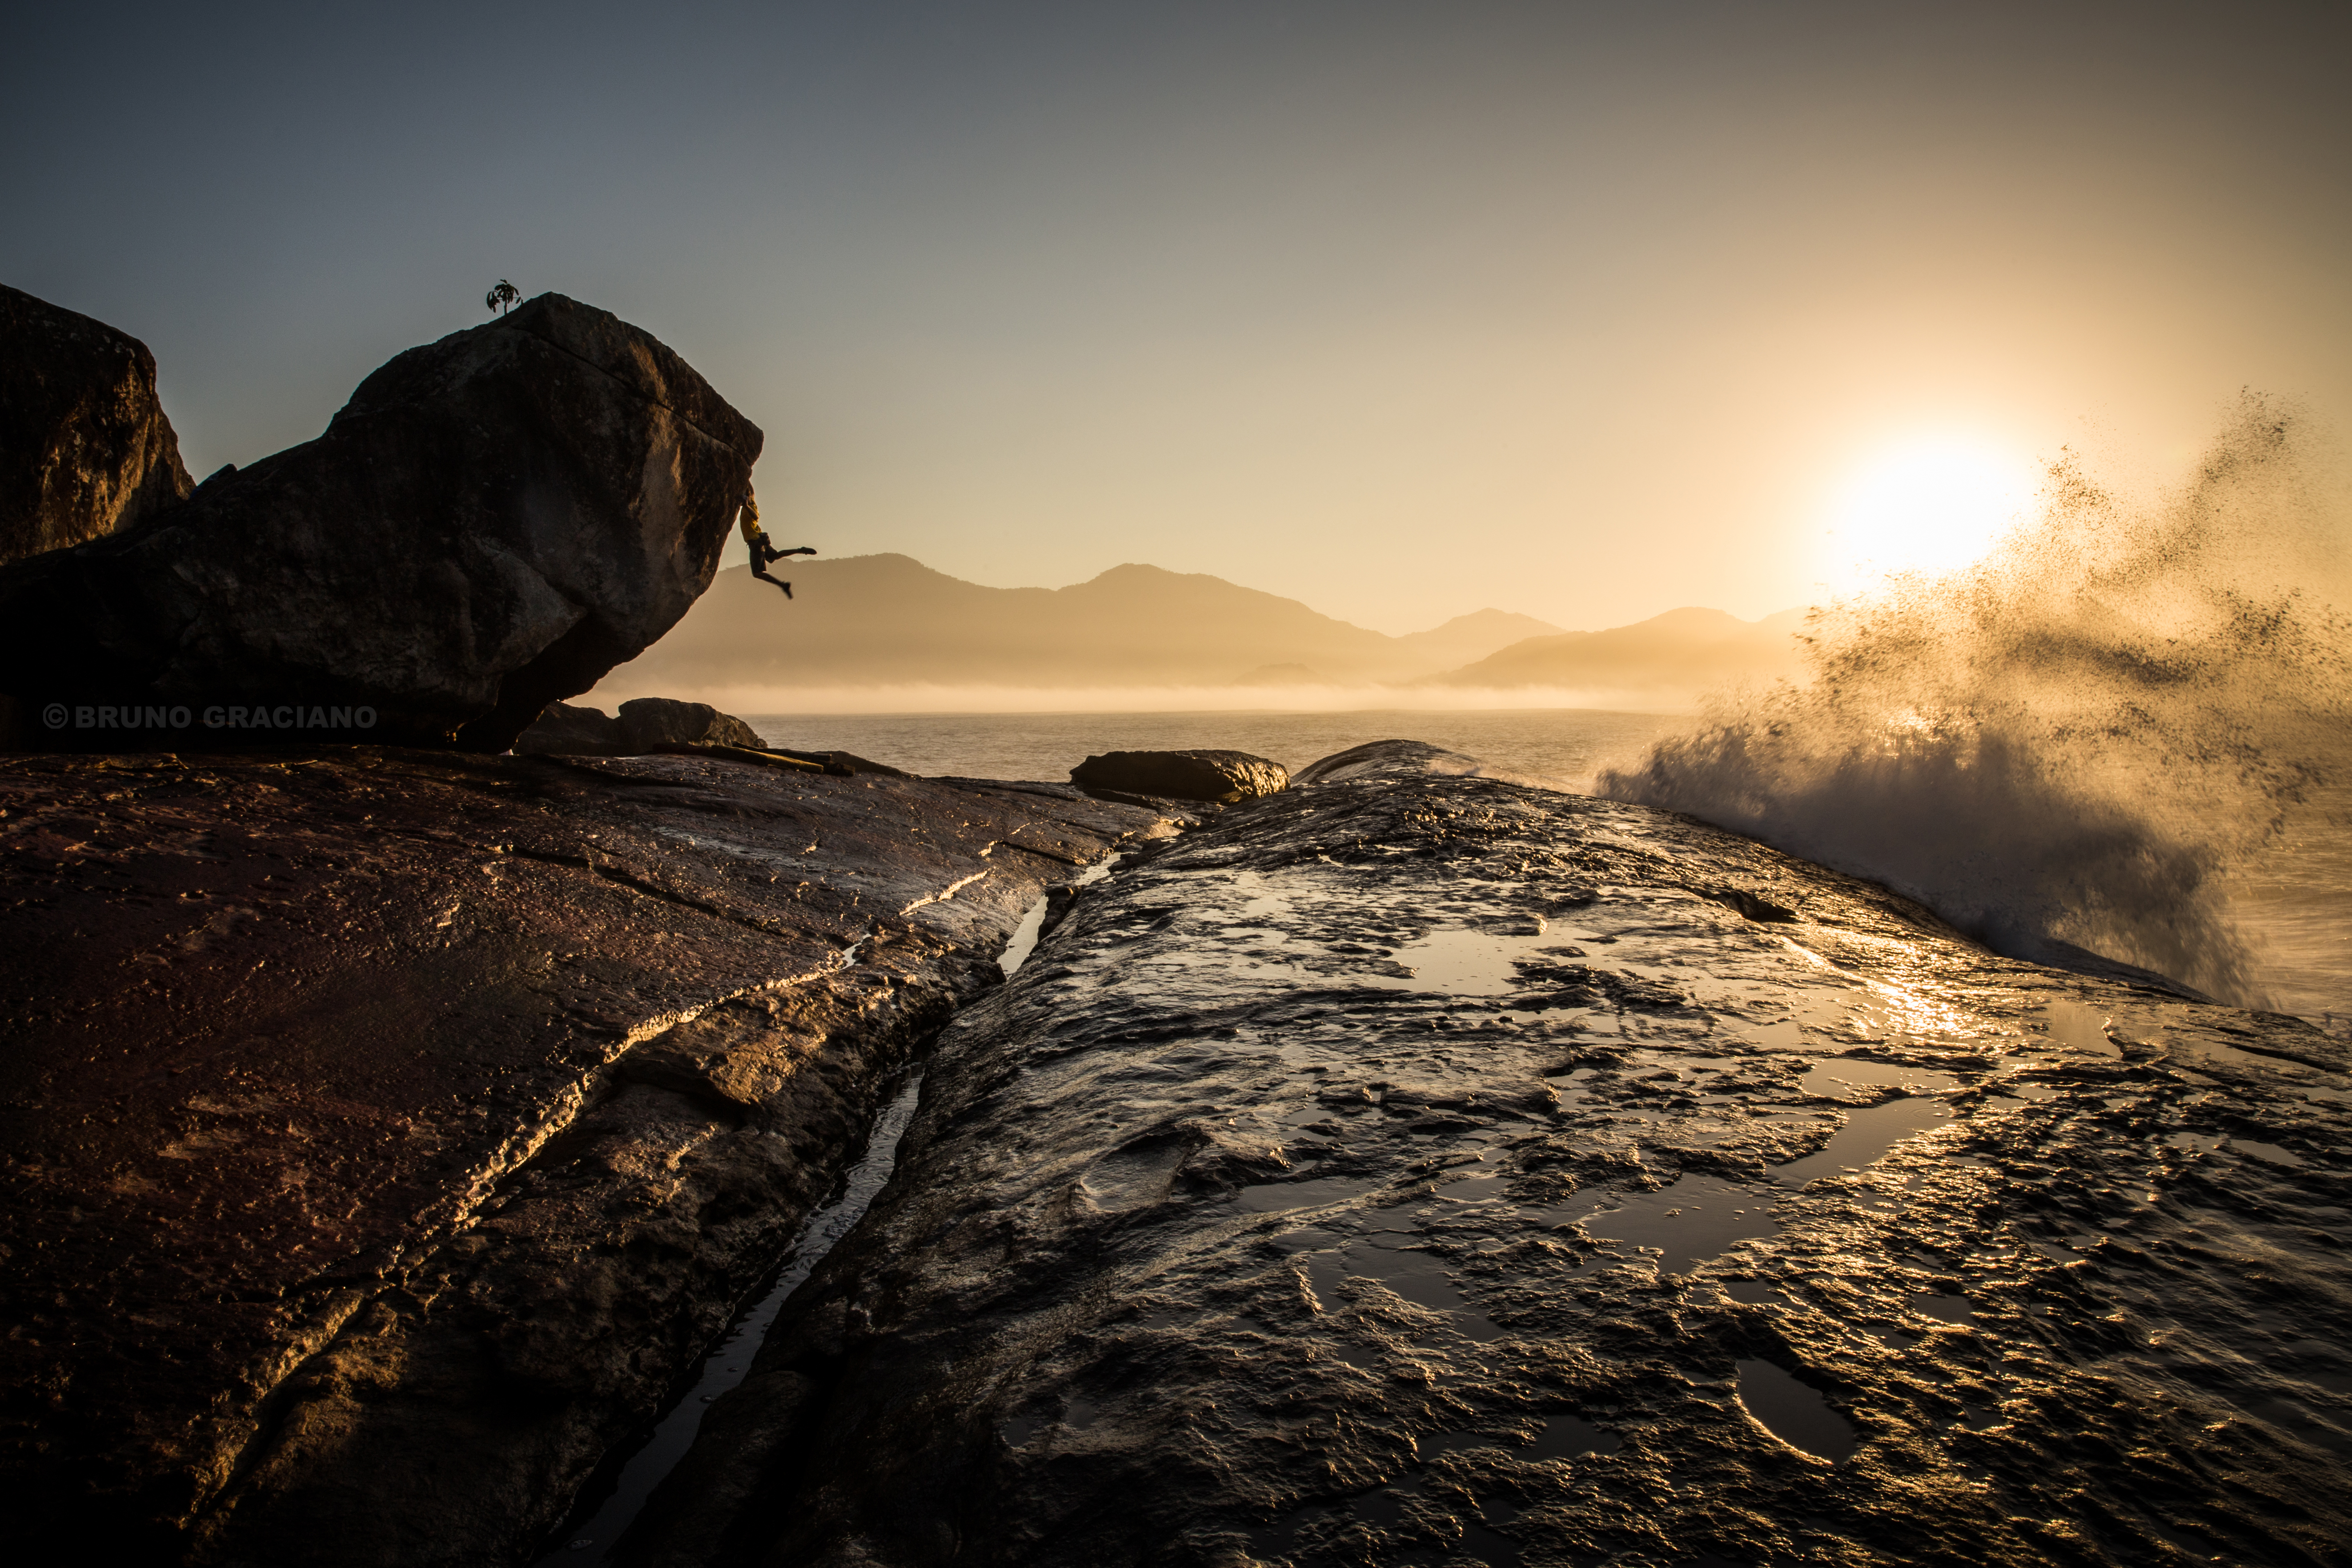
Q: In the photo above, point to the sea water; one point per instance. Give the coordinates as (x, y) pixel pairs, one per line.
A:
(1569, 745)
(2291, 904)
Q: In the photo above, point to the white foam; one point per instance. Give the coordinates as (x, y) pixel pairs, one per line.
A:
(2072, 741)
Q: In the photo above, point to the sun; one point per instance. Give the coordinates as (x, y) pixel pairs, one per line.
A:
(1931, 504)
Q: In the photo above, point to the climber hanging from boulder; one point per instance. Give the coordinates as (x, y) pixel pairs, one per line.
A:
(763, 553)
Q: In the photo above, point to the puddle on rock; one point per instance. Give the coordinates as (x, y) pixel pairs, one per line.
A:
(1387, 1250)
(1869, 1135)
(1754, 1292)
(1840, 1077)
(1794, 1413)
(1273, 1197)
(1472, 961)
(1419, 1277)
(1386, 1506)
(1482, 1542)
(1469, 961)
(1569, 1438)
(1692, 1220)
(2080, 1028)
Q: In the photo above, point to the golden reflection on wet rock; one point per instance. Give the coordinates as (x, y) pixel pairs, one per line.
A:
(1422, 1169)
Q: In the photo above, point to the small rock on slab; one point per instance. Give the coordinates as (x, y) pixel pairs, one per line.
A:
(652, 722)
(1210, 776)
(1406, 758)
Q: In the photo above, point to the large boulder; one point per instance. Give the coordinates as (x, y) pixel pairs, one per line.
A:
(1209, 775)
(492, 522)
(85, 449)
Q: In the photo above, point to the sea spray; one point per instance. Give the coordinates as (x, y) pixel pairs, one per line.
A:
(2066, 745)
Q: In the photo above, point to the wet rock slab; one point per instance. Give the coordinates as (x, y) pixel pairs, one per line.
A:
(1417, 1169)
(384, 1132)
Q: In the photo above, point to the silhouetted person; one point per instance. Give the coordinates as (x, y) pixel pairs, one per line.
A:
(762, 552)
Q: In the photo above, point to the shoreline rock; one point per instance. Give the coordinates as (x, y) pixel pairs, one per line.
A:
(650, 723)
(570, 729)
(1425, 1168)
(645, 724)
(384, 1130)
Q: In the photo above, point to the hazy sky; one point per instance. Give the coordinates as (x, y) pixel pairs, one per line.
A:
(1586, 310)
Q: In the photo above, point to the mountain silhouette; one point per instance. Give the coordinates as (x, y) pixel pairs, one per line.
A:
(1686, 650)
(889, 620)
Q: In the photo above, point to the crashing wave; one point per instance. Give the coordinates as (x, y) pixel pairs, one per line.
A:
(2066, 745)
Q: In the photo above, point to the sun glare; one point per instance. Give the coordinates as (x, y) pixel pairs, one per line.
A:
(1930, 505)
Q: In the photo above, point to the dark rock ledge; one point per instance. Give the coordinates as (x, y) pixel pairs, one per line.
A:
(385, 1130)
(1432, 1170)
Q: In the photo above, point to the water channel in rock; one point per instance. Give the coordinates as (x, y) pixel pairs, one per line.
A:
(628, 1479)
(619, 1497)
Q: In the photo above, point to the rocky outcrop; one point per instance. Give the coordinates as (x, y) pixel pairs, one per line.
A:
(1203, 776)
(492, 522)
(384, 1130)
(649, 723)
(566, 730)
(1407, 759)
(646, 725)
(85, 449)
(1426, 1168)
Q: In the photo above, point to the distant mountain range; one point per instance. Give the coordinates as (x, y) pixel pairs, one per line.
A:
(1689, 649)
(888, 620)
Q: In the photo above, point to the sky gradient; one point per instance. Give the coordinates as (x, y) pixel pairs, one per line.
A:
(1586, 312)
